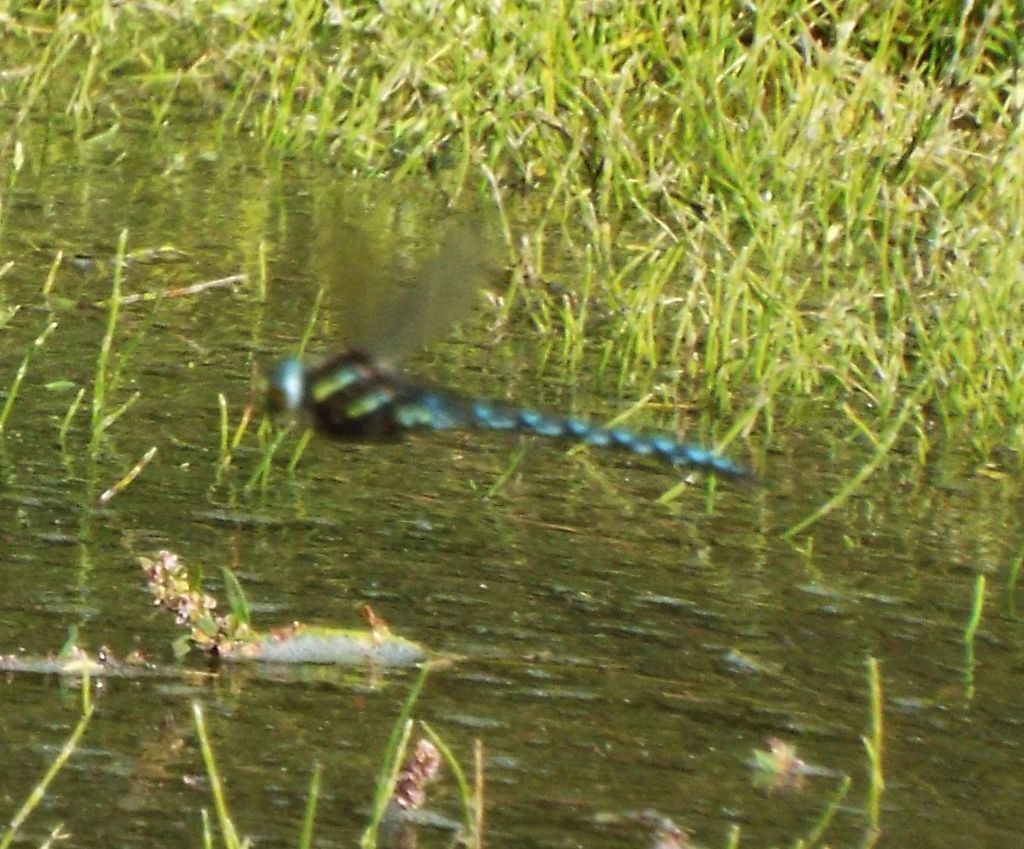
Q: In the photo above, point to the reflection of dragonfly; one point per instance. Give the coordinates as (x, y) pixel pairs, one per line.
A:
(355, 396)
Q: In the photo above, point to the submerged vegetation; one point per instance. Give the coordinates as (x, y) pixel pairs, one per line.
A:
(775, 204)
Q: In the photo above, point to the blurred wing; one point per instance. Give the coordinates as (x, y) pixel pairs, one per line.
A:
(393, 317)
(444, 291)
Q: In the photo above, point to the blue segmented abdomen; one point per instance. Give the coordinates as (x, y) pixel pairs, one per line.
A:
(353, 396)
(439, 411)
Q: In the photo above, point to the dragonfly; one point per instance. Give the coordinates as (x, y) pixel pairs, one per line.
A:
(356, 396)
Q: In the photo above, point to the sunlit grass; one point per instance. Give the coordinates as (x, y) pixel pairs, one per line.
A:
(19, 375)
(228, 830)
(874, 746)
(127, 479)
(970, 631)
(796, 202)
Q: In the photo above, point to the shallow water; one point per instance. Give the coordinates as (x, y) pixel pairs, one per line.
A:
(617, 657)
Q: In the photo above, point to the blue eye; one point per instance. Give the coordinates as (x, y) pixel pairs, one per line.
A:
(287, 386)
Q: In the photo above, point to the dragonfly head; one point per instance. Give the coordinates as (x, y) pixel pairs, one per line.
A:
(287, 387)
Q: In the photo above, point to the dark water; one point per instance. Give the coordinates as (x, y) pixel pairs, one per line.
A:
(618, 657)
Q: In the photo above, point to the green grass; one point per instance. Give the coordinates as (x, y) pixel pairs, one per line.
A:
(970, 631)
(38, 792)
(19, 375)
(874, 747)
(811, 203)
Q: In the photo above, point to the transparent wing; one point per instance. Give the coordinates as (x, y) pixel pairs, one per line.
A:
(391, 315)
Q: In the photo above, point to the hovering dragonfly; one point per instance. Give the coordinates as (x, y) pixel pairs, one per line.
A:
(355, 396)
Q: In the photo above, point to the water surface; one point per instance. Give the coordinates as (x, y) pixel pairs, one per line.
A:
(618, 656)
